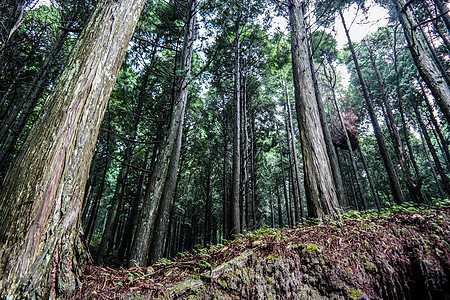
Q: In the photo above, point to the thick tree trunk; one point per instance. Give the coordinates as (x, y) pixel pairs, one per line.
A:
(163, 179)
(393, 180)
(320, 189)
(427, 68)
(42, 194)
(337, 175)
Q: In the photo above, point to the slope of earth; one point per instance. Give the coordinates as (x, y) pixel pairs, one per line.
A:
(402, 253)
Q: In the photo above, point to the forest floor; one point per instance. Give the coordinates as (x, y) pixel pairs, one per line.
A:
(384, 246)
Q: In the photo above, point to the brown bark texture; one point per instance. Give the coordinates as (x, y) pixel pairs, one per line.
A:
(319, 185)
(41, 196)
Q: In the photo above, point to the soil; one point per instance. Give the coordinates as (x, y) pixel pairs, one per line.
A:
(403, 254)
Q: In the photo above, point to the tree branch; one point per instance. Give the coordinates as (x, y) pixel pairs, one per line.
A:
(430, 20)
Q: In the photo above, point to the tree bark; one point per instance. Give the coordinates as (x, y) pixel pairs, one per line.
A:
(320, 189)
(295, 170)
(42, 194)
(163, 180)
(337, 176)
(427, 68)
(236, 177)
(443, 10)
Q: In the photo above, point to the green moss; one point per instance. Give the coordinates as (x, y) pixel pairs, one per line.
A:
(353, 294)
(222, 283)
(272, 257)
(312, 247)
(270, 280)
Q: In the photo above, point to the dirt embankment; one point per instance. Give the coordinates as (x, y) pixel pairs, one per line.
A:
(396, 255)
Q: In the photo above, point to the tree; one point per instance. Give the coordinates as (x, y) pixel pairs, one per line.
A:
(319, 185)
(41, 196)
(427, 68)
(393, 179)
(163, 181)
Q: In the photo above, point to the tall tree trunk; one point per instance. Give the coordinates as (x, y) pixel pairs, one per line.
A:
(130, 222)
(337, 176)
(295, 170)
(283, 178)
(163, 179)
(393, 180)
(245, 179)
(402, 113)
(414, 187)
(352, 155)
(371, 184)
(225, 200)
(117, 199)
(14, 22)
(320, 189)
(423, 127)
(253, 171)
(42, 194)
(445, 14)
(236, 179)
(427, 68)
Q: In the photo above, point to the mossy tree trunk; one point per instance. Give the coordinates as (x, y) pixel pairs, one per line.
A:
(41, 196)
(320, 189)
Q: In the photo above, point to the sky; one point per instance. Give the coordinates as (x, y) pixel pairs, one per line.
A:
(360, 25)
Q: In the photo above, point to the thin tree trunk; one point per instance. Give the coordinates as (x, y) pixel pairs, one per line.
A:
(393, 180)
(225, 200)
(369, 177)
(285, 192)
(295, 170)
(432, 166)
(413, 187)
(427, 68)
(444, 11)
(280, 211)
(18, 18)
(163, 179)
(423, 127)
(41, 197)
(235, 183)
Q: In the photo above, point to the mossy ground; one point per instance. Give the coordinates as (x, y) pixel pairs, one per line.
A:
(371, 255)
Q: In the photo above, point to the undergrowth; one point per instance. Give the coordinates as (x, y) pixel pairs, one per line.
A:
(375, 251)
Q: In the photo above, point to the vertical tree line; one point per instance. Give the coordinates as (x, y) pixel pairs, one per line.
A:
(136, 140)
